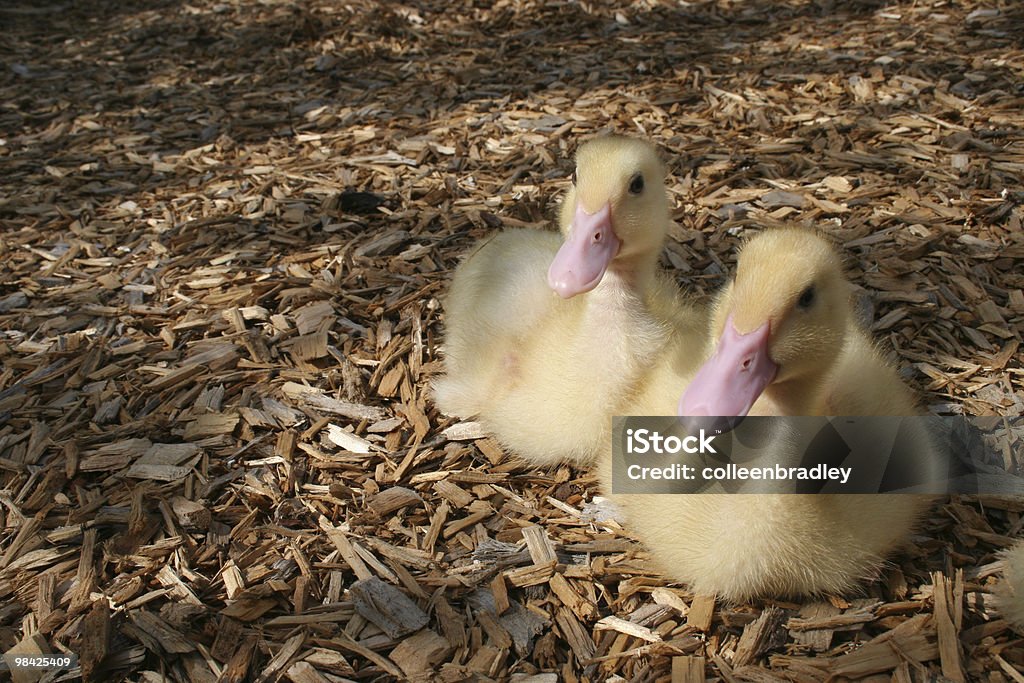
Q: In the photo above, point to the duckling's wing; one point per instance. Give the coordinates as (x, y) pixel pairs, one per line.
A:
(865, 382)
(501, 288)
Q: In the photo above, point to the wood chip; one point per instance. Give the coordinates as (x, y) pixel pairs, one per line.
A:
(540, 547)
(688, 669)
(612, 623)
(947, 625)
(759, 636)
(387, 607)
(418, 654)
(702, 610)
(313, 398)
(394, 498)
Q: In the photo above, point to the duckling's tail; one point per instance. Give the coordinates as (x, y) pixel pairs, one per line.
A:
(1009, 593)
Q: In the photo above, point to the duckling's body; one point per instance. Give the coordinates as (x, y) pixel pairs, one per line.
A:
(1009, 592)
(545, 372)
(801, 360)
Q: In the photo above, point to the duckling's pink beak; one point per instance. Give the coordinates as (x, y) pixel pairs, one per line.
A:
(731, 380)
(583, 258)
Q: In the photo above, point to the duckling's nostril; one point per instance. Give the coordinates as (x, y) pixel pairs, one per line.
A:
(597, 236)
(746, 363)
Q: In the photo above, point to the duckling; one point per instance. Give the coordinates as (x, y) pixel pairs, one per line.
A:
(786, 345)
(1009, 592)
(544, 371)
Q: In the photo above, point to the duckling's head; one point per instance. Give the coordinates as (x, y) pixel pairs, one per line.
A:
(783, 319)
(615, 215)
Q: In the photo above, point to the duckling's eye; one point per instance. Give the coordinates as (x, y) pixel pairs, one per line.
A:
(573, 177)
(636, 184)
(806, 298)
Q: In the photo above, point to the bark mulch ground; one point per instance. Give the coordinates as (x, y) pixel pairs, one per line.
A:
(227, 228)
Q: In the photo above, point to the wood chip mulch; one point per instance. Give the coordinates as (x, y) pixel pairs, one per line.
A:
(227, 228)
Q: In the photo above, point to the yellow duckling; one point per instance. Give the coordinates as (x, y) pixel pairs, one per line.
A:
(544, 373)
(787, 344)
